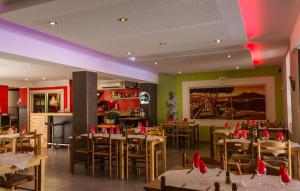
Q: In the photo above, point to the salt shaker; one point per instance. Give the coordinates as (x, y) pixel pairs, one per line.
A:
(234, 187)
(227, 181)
(217, 186)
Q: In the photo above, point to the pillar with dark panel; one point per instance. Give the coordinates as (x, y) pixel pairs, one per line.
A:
(150, 108)
(84, 94)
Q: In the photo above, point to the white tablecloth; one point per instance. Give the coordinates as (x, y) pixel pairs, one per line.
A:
(9, 136)
(19, 160)
(120, 137)
(197, 181)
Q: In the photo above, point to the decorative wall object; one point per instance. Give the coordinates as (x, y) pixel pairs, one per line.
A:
(293, 83)
(240, 102)
(172, 107)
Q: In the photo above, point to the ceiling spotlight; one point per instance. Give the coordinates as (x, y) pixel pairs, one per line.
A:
(132, 58)
(26, 79)
(43, 78)
(123, 19)
(30, 66)
(129, 52)
(155, 63)
(162, 43)
(52, 23)
(228, 56)
(179, 72)
(218, 41)
(237, 67)
(68, 76)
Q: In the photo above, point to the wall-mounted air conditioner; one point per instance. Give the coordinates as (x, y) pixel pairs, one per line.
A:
(110, 84)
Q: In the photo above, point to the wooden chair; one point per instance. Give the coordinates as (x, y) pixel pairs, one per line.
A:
(184, 132)
(170, 131)
(274, 153)
(238, 151)
(158, 149)
(137, 152)
(80, 147)
(28, 142)
(103, 148)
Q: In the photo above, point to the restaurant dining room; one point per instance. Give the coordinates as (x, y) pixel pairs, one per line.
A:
(150, 95)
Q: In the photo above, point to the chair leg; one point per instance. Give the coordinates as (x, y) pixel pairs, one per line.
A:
(156, 164)
(93, 165)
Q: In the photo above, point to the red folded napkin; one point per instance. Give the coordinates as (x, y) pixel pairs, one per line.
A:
(266, 134)
(118, 131)
(237, 125)
(147, 123)
(196, 160)
(185, 120)
(236, 133)
(92, 129)
(103, 130)
(24, 128)
(244, 134)
(111, 130)
(203, 167)
(261, 167)
(284, 176)
(140, 124)
(253, 122)
(143, 130)
(248, 121)
(226, 125)
(280, 136)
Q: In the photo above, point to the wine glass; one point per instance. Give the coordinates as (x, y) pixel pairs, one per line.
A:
(260, 175)
(285, 184)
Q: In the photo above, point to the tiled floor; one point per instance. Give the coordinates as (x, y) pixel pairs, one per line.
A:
(59, 178)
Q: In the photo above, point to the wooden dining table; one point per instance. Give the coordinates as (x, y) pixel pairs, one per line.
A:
(35, 161)
(152, 142)
(12, 138)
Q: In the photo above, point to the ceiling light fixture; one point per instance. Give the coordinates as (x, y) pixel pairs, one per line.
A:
(179, 72)
(162, 43)
(155, 63)
(218, 41)
(132, 58)
(123, 19)
(43, 78)
(68, 76)
(26, 79)
(228, 56)
(30, 66)
(52, 23)
(129, 52)
(237, 67)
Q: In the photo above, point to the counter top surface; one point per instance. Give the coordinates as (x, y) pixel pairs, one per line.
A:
(53, 114)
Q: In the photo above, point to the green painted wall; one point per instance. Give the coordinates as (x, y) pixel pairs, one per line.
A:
(174, 82)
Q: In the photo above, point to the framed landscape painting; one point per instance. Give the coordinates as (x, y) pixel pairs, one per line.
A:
(241, 102)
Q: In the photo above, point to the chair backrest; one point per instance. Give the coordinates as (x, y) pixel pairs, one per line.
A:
(157, 132)
(137, 143)
(102, 140)
(81, 141)
(277, 149)
(28, 142)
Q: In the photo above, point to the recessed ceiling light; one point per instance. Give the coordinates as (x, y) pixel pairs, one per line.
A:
(179, 72)
(155, 63)
(68, 76)
(123, 19)
(52, 23)
(228, 56)
(30, 66)
(237, 67)
(218, 41)
(162, 43)
(26, 79)
(43, 78)
(132, 58)
(129, 52)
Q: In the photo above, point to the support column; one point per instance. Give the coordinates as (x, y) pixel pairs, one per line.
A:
(84, 94)
(151, 107)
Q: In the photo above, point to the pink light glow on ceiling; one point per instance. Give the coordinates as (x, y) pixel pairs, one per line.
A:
(250, 10)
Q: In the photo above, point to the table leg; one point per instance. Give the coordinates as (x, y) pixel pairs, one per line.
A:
(121, 159)
(41, 175)
(152, 148)
(298, 164)
(14, 145)
(164, 153)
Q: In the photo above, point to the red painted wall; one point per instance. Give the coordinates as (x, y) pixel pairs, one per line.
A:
(64, 88)
(71, 95)
(3, 99)
(23, 97)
